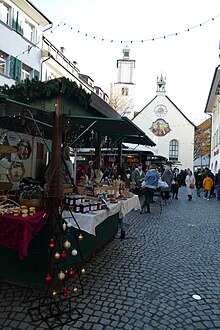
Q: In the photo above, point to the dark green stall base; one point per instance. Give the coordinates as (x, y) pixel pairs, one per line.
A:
(35, 267)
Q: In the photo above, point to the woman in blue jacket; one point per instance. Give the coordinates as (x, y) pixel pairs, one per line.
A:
(151, 179)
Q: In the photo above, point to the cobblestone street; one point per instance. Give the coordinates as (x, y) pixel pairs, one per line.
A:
(147, 280)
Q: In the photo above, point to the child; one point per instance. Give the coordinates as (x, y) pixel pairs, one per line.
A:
(207, 186)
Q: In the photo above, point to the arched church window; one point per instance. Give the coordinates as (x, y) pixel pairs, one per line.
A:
(122, 91)
(173, 150)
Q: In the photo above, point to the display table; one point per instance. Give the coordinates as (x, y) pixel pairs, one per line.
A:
(17, 232)
(98, 229)
(89, 221)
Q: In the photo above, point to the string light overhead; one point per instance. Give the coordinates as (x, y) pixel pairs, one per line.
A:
(154, 38)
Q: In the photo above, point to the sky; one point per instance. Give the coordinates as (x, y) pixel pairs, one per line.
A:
(188, 58)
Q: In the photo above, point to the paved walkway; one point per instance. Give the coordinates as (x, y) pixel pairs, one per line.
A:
(147, 281)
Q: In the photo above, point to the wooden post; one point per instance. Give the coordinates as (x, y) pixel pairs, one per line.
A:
(55, 190)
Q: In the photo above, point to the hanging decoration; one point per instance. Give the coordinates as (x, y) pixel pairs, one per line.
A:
(153, 38)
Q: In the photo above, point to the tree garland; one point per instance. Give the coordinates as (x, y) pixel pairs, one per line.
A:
(29, 90)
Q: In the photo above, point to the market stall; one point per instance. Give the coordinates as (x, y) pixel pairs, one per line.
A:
(50, 246)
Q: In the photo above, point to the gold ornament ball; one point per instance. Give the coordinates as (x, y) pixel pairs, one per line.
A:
(61, 275)
(75, 289)
(80, 237)
(57, 255)
(54, 293)
(83, 270)
(66, 244)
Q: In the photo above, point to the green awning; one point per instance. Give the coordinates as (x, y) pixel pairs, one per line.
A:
(121, 130)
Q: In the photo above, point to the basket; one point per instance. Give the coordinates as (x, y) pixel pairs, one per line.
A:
(38, 203)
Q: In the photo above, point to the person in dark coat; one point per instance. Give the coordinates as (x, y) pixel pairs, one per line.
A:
(168, 178)
(175, 183)
(217, 184)
(199, 181)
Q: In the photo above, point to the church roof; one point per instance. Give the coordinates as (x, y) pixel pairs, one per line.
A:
(137, 113)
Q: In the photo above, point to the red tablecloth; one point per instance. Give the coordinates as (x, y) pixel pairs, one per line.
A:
(17, 232)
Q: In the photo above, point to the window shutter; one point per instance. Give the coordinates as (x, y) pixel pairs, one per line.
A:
(12, 67)
(19, 27)
(18, 66)
(14, 19)
(36, 74)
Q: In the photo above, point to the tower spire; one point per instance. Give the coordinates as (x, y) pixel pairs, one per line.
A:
(161, 83)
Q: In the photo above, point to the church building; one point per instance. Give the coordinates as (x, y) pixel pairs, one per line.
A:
(168, 127)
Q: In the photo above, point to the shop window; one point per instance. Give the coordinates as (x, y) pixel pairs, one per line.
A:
(3, 63)
(173, 150)
(5, 13)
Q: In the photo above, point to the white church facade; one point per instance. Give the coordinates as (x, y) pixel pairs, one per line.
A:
(168, 127)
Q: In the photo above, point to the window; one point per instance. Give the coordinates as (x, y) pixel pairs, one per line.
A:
(26, 72)
(3, 63)
(29, 31)
(124, 91)
(173, 150)
(4, 13)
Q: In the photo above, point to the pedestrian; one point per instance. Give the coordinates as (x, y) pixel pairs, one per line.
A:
(207, 186)
(175, 183)
(167, 177)
(137, 176)
(80, 174)
(190, 184)
(199, 181)
(151, 183)
(90, 171)
(217, 185)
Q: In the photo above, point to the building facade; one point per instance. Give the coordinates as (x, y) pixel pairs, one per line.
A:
(21, 29)
(213, 109)
(168, 127)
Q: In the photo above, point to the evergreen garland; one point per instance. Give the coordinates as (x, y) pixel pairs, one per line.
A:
(28, 91)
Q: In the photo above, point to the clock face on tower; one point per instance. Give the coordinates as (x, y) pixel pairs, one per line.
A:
(160, 110)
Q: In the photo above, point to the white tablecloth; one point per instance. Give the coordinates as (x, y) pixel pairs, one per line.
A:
(89, 221)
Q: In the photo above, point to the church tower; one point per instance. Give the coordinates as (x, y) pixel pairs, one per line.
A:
(124, 88)
(161, 83)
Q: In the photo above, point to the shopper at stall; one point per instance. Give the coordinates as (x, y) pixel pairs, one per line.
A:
(80, 174)
(90, 171)
(167, 177)
(137, 176)
(150, 185)
(65, 169)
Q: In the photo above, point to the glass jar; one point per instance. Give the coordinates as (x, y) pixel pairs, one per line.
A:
(99, 206)
(83, 207)
(77, 208)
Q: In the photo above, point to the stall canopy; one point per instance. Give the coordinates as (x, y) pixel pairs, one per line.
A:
(121, 130)
(19, 116)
